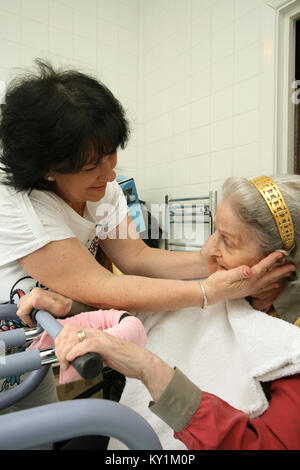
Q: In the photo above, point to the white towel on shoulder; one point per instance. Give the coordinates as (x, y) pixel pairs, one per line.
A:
(226, 349)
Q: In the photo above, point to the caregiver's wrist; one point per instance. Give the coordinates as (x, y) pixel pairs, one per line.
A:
(156, 375)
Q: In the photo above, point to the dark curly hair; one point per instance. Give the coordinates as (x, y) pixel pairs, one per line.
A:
(57, 120)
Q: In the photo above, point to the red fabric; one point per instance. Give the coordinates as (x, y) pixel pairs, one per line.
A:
(218, 426)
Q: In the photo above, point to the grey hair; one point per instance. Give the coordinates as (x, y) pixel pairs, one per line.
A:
(253, 210)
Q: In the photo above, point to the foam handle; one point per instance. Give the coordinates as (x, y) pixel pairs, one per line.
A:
(88, 366)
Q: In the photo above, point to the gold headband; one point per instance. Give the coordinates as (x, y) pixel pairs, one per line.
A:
(279, 209)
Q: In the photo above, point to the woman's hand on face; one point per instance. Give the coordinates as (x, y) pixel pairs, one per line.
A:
(244, 281)
(43, 299)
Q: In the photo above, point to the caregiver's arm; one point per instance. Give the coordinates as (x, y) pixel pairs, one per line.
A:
(131, 255)
(67, 267)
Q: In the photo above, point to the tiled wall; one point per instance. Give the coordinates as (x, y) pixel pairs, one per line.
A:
(97, 36)
(200, 89)
(189, 72)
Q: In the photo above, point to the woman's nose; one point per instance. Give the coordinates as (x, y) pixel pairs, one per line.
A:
(214, 241)
(106, 170)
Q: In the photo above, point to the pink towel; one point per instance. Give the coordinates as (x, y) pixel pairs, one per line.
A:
(129, 329)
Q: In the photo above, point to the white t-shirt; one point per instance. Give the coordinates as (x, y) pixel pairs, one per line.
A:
(31, 221)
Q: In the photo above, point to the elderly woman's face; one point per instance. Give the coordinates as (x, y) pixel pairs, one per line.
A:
(89, 184)
(234, 242)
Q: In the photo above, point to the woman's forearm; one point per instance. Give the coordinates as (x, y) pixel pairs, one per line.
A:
(156, 375)
(152, 262)
(142, 294)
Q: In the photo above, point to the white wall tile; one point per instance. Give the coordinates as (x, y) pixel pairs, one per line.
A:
(222, 104)
(84, 25)
(247, 29)
(84, 50)
(199, 168)
(221, 164)
(35, 34)
(180, 146)
(86, 6)
(246, 95)
(199, 84)
(200, 112)
(60, 42)
(248, 62)
(201, 25)
(222, 13)
(107, 34)
(60, 16)
(245, 129)
(128, 41)
(181, 119)
(221, 135)
(222, 43)
(246, 160)
(10, 54)
(222, 74)
(10, 26)
(199, 142)
(243, 7)
(4, 77)
(200, 56)
(181, 172)
(107, 10)
(14, 6)
(36, 10)
(29, 54)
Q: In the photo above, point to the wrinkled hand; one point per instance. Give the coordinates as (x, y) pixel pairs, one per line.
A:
(244, 281)
(43, 299)
(262, 300)
(127, 358)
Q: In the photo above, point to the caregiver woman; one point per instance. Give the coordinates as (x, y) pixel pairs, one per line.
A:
(60, 131)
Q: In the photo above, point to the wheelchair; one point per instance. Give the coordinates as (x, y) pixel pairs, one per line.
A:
(77, 418)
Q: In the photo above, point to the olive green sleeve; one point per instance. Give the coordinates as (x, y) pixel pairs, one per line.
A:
(178, 403)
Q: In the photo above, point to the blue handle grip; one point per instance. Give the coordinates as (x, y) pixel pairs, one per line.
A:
(18, 364)
(89, 365)
(8, 312)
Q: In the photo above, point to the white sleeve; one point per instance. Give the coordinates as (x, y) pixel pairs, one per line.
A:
(111, 210)
(21, 229)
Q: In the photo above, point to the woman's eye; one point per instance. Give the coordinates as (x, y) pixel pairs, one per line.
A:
(90, 169)
(226, 243)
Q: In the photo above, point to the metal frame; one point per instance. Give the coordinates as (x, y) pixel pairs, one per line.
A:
(208, 205)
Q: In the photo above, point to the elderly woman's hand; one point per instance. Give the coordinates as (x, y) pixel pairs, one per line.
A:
(122, 356)
(244, 281)
(43, 299)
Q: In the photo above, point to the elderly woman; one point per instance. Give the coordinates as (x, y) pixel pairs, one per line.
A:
(244, 364)
(59, 201)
